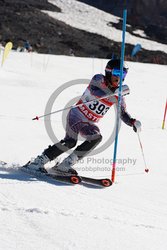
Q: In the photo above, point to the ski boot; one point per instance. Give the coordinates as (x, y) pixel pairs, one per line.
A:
(65, 167)
(38, 163)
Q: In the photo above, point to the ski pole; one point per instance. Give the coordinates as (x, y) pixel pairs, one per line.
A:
(125, 91)
(146, 169)
(163, 122)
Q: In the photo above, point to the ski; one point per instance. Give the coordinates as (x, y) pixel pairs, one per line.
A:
(71, 179)
(104, 182)
(76, 179)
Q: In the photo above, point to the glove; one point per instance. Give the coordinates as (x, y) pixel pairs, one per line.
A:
(136, 125)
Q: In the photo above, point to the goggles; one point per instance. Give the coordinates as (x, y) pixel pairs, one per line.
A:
(117, 72)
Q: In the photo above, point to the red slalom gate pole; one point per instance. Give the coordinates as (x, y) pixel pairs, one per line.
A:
(163, 122)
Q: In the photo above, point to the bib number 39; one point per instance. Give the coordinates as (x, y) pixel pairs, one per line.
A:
(98, 107)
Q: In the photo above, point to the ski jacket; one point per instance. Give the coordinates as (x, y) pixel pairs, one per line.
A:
(96, 108)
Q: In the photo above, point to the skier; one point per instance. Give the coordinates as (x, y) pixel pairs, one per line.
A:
(83, 118)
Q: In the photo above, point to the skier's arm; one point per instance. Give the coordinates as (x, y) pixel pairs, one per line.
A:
(126, 118)
(95, 85)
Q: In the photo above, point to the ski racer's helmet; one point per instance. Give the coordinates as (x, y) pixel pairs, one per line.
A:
(113, 69)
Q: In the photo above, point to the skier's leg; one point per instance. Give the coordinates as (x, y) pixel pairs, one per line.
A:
(57, 149)
(93, 138)
(51, 153)
(87, 146)
(70, 140)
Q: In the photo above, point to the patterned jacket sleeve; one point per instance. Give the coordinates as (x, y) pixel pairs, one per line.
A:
(125, 117)
(96, 85)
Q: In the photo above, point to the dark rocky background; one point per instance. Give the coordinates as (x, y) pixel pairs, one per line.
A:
(23, 20)
(148, 15)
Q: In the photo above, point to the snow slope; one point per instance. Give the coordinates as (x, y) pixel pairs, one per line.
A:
(42, 214)
(85, 17)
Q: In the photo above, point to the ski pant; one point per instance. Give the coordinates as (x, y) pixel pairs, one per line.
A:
(76, 124)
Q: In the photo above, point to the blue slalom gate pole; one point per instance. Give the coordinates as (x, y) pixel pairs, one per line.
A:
(119, 95)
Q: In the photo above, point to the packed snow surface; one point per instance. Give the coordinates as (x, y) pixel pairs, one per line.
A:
(38, 213)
